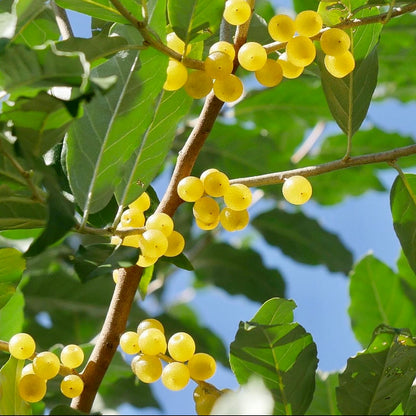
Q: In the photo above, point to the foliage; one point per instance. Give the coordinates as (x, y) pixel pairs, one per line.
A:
(86, 127)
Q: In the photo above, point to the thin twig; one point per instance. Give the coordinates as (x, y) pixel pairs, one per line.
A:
(307, 145)
(63, 22)
(279, 177)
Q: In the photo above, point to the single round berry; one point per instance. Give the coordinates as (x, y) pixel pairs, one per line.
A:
(202, 366)
(238, 197)
(160, 221)
(22, 346)
(176, 75)
(32, 388)
(116, 240)
(174, 42)
(46, 365)
(223, 46)
(290, 71)
(215, 183)
(271, 74)
(218, 65)
(147, 368)
(132, 218)
(144, 261)
(72, 355)
(72, 386)
(308, 23)
(252, 56)
(234, 220)
(206, 209)
(175, 376)
(300, 51)
(176, 244)
(129, 342)
(190, 188)
(335, 41)
(207, 226)
(206, 172)
(153, 243)
(152, 341)
(228, 89)
(150, 323)
(340, 66)
(181, 346)
(297, 190)
(281, 27)
(237, 12)
(198, 84)
(142, 203)
(132, 240)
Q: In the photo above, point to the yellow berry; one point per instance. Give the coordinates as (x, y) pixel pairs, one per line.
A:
(174, 42)
(300, 51)
(175, 376)
(72, 355)
(153, 243)
(223, 46)
(46, 365)
(142, 203)
(238, 197)
(290, 71)
(132, 218)
(160, 221)
(206, 209)
(252, 56)
(237, 12)
(271, 74)
(308, 23)
(234, 220)
(335, 41)
(297, 190)
(27, 369)
(129, 342)
(152, 341)
(228, 89)
(207, 226)
(340, 65)
(116, 240)
(147, 368)
(202, 366)
(176, 75)
(215, 183)
(218, 65)
(190, 188)
(150, 323)
(115, 275)
(281, 28)
(72, 386)
(32, 388)
(131, 240)
(144, 261)
(198, 84)
(181, 346)
(176, 244)
(22, 346)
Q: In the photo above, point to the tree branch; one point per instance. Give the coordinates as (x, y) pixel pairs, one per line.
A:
(108, 341)
(62, 21)
(279, 177)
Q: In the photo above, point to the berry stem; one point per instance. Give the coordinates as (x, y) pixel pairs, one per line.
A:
(279, 177)
(108, 340)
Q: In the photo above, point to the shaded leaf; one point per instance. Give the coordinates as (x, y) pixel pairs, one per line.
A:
(378, 379)
(303, 239)
(21, 212)
(403, 209)
(377, 297)
(348, 98)
(180, 261)
(324, 398)
(97, 259)
(282, 353)
(12, 316)
(222, 265)
(12, 265)
(10, 401)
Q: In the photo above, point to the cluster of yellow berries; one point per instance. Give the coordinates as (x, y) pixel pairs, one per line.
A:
(300, 51)
(44, 366)
(152, 349)
(202, 192)
(155, 236)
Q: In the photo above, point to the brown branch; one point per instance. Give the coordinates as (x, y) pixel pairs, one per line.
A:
(279, 177)
(107, 343)
(63, 22)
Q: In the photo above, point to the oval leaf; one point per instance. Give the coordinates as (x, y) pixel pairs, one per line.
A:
(12, 265)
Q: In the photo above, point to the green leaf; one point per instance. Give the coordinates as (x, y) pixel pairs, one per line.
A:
(12, 316)
(378, 379)
(222, 265)
(348, 98)
(180, 261)
(189, 18)
(10, 401)
(377, 297)
(113, 125)
(145, 280)
(403, 209)
(324, 399)
(303, 239)
(36, 23)
(12, 265)
(282, 353)
(21, 212)
(103, 9)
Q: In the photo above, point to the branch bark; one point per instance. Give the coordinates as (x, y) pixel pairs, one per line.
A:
(63, 22)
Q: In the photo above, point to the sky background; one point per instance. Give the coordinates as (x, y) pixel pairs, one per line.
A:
(364, 225)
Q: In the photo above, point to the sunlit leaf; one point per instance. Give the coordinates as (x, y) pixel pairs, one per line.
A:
(12, 265)
(378, 379)
(12, 316)
(282, 353)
